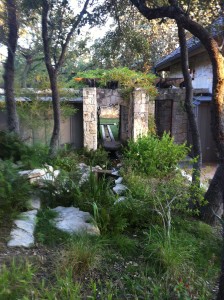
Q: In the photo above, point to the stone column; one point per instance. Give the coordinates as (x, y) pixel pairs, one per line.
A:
(140, 113)
(90, 118)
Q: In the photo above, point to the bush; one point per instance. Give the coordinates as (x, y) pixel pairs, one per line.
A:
(14, 189)
(11, 146)
(96, 157)
(153, 156)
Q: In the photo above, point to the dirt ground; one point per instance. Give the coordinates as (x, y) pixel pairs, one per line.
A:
(208, 171)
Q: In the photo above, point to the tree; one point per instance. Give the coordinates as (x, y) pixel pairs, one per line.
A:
(133, 42)
(56, 34)
(9, 66)
(174, 10)
(189, 107)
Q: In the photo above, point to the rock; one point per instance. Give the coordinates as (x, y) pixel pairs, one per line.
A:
(35, 203)
(119, 180)
(33, 173)
(23, 234)
(51, 176)
(120, 199)
(38, 175)
(115, 173)
(73, 220)
(184, 174)
(119, 189)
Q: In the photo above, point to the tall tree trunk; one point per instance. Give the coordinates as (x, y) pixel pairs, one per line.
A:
(9, 74)
(56, 110)
(189, 107)
(52, 72)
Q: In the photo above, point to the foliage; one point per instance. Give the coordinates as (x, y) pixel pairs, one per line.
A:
(39, 114)
(126, 78)
(66, 160)
(14, 189)
(35, 156)
(153, 156)
(11, 146)
(97, 157)
(15, 280)
(45, 232)
(80, 255)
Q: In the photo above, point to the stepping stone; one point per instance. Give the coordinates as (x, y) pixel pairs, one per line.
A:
(119, 180)
(35, 203)
(119, 189)
(73, 220)
(23, 233)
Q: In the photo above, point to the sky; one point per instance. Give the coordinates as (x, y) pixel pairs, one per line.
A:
(95, 32)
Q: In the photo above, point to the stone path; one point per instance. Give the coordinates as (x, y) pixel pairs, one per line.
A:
(69, 219)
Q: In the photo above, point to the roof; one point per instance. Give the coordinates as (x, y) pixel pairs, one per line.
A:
(197, 100)
(193, 44)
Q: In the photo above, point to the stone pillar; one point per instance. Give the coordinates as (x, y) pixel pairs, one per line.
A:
(90, 118)
(140, 106)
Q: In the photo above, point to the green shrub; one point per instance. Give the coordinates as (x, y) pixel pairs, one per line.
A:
(96, 157)
(14, 189)
(153, 156)
(151, 200)
(11, 146)
(35, 156)
(65, 160)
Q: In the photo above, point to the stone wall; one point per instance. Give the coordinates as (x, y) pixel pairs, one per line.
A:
(108, 97)
(140, 114)
(90, 118)
(133, 118)
(178, 116)
(178, 125)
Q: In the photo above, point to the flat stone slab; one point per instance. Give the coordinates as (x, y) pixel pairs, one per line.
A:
(119, 180)
(23, 233)
(119, 189)
(73, 220)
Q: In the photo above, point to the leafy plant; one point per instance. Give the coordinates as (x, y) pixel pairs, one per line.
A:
(96, 157)
(127, 79)
(153, 156)
(14, 189)
(11, 146)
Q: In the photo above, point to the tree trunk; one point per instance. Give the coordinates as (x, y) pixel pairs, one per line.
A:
(9, 74)
(52, 72)
(215, 192)
(189, 107)
(56, 110)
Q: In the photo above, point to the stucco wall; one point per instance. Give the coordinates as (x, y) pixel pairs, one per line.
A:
(203, 71)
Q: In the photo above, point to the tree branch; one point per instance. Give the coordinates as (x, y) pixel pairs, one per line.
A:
(69, 35)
